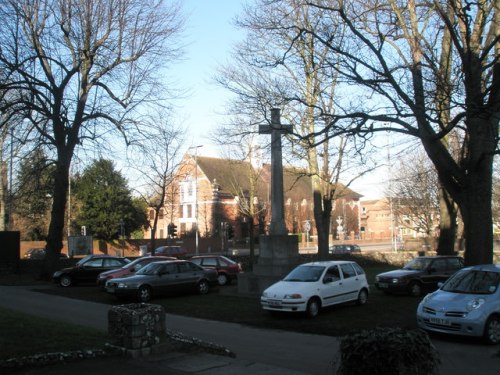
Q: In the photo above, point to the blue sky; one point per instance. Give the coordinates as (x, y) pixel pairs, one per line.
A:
(210, 36)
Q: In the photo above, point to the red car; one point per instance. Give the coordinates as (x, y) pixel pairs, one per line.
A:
(228, 269)
(129, 269)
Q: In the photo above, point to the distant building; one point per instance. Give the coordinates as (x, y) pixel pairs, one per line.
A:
(223, 190)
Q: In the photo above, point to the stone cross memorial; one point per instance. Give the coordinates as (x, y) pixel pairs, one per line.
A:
(277, 199)
(278, 251)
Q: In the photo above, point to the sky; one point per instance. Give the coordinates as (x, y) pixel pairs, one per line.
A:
(210, 34)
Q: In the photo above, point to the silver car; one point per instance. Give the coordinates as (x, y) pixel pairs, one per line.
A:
(467, 304)
(161, 278)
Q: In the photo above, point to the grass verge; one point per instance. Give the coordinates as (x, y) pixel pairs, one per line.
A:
(24, 335)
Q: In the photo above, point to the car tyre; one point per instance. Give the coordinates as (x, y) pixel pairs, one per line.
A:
(415, 289)
(492, 330)
(222, 279)
(65, 281)
(313, 307)
(362, 297)
(144, 294)
(203, 287)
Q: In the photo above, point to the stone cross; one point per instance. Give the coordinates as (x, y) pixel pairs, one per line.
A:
(277, 200)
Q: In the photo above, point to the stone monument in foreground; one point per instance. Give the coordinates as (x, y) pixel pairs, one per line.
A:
(278, 251)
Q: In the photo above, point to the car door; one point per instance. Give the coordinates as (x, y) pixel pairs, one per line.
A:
(166, 279)
(331, 288)
(436, 272)
(350, 283)
(189, 275)
(88, 271)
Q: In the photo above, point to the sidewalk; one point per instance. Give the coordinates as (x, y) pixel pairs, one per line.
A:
(258, 351)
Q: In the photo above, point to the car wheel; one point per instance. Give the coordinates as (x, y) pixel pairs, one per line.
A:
(144, 293)
(65, 281)
(415, 289)
(313, 307)
(492, 330)
(222, 279)
(203, 287)
(362, 297)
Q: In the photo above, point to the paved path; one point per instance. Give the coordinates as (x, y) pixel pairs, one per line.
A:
(258, 351)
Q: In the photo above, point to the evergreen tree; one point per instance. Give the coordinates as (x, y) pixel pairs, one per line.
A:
(106, 202)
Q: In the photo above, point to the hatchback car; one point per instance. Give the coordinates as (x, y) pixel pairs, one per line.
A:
(129, 269)
(227, 269)
(87, 269)
(422, 273)
(164, 277)
(344, 249)
(468, 304)
(312, 286)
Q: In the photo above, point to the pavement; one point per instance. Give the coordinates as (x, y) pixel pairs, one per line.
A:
(257, 351)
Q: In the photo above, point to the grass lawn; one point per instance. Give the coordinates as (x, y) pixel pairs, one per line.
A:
(24, 335)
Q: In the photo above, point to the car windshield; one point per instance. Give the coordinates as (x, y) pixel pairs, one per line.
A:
(417, 264)
(150, 269)
(83, 260)
(472, 282)
(305, 274)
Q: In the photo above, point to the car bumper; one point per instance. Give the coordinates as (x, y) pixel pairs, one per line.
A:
(283, 305)
(472, 324)
(391, 287)
(121, 292)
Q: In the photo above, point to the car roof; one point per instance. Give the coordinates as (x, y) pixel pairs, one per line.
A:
(438, 256)
(484, 267)
(327, 263)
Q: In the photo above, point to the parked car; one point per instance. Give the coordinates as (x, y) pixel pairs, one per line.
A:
(39, 253)
(129, 269)
(312, 286)
(421, 274)
(467, 304)
(227, 269)
(164, 277)
(174, 251)
(87, 269)
(344, 249)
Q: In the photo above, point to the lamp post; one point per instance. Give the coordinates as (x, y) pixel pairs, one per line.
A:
(196, 195)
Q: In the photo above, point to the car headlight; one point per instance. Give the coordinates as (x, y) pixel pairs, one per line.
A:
(475, 304)
(377, 278)
(395, 281)
(57, 274)
(122, 285)
(292, 296)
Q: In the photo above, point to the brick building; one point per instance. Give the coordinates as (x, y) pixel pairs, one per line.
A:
(222, 191)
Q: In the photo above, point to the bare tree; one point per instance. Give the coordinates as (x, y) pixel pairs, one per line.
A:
(156, 162)
(414, 191)
(275, 66)
(83, 70)
(391, 54)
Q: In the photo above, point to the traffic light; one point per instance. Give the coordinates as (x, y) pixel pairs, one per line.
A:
(169, 229)
(229, 231)
(173, 230)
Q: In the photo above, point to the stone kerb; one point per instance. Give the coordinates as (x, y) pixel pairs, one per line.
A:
(136, 328)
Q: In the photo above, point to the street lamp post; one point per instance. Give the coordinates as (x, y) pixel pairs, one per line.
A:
(196, 195)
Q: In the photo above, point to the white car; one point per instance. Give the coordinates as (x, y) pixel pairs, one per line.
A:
(311, 286)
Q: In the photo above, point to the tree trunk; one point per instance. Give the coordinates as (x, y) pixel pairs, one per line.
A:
(476, 214)
(447, 224)
(56, 228)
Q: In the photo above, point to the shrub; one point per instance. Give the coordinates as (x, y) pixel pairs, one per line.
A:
(388, 351)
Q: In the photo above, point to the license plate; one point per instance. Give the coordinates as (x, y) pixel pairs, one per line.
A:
(383, 285)
(274, 303)
(441, 322)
